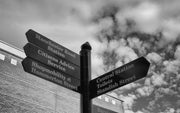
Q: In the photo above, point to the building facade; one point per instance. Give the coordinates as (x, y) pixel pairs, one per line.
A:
(21, 92)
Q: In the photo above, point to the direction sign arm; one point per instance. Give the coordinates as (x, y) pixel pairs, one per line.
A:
(119, 77)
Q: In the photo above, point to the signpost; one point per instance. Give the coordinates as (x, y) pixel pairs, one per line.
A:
(53, 62)
(121, 76)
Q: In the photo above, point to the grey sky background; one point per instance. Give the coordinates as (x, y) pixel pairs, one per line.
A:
(73, 22)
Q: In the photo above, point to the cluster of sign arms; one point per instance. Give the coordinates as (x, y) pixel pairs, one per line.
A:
(55, 63)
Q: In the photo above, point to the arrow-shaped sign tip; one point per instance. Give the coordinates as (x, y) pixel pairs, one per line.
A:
(27, 48)
(145, 61)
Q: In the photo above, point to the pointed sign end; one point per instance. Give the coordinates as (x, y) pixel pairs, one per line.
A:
(146, 61)
(27, 49)
(147, 65)
(26, 46)
(24, 64)
(30, 30)
(29, 34)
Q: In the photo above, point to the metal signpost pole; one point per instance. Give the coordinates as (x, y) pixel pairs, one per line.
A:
(85, 66)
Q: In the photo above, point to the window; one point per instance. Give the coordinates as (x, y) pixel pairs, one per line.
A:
(13, 61)
(2, 57)
(99, 97)
(106, 99)
(113, 102)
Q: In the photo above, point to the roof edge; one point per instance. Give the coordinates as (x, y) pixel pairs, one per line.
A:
(12, 49)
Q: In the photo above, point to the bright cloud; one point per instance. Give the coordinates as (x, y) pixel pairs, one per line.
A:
(178, 111)
(127, 53)
(172, 66)
(177, 52)
(97, 66)
(154, 57)
(158, 79)
(169, 110)
(129, 100)
(136, 44)
(147, 82)
(146, 16)
(167, 91)
(145, 90)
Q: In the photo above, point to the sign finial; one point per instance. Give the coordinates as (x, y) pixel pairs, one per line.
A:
(86, 46)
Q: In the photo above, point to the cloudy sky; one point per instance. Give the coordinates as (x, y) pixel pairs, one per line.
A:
(119, 31)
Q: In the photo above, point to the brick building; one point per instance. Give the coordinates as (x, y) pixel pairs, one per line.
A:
(21, 92)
